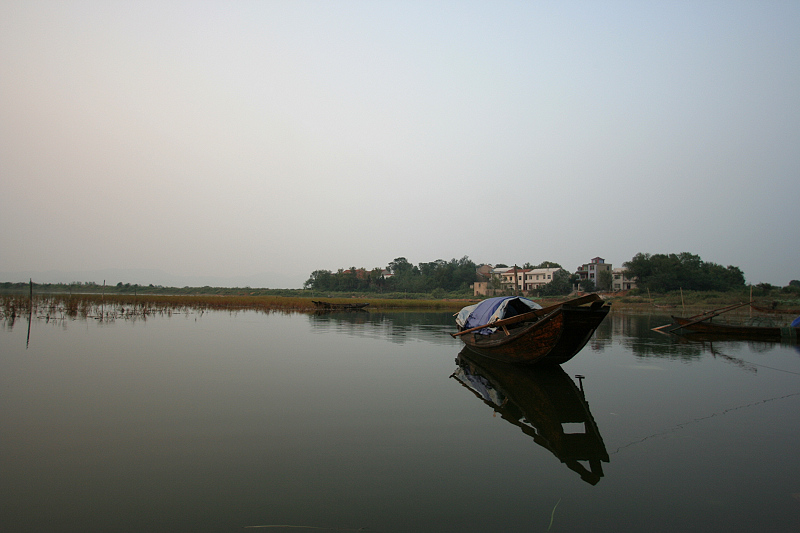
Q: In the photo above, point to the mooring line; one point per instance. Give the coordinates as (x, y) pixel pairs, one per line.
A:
(306, 527)
(712, 415)
(553, 514)
(773, 368)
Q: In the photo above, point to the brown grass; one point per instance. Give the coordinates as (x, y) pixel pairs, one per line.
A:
(118, 305)
(125, 305)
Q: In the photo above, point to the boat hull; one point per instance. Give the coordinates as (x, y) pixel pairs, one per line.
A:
(553, 339)
(339, 307)
(777, 311)
(743, 332)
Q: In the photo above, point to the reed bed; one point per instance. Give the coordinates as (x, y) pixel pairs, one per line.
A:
(113, 306)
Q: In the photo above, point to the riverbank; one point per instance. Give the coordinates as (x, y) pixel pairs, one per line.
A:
(146, 304)
(93, 299)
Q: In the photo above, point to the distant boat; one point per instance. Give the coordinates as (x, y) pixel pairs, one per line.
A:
(517, 330)
(340, 307)
(545, 403)
(775, 309)
(785, 334)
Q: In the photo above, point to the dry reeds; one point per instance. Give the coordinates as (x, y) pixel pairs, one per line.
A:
(114, 306)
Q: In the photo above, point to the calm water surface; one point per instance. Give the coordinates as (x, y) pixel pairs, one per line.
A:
(221, 422)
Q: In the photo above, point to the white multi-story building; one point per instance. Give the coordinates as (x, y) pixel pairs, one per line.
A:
(591, 270)
(537, 278)
(514, 278)
(619, 282)
(527, 279)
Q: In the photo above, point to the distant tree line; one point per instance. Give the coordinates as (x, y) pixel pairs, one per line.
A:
(657, 272)
(670, 272)
(91, 287)
(440, 275)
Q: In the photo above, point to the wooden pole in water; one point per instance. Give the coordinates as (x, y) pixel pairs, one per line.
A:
(103, 301)
(30, 315)
(683, 304)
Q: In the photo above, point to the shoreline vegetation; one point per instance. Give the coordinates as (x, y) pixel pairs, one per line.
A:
(93, 300)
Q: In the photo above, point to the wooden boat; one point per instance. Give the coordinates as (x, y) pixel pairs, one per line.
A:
(552, 335)
(339, 307)
(539, 401)
(786, 334)
(776, 310)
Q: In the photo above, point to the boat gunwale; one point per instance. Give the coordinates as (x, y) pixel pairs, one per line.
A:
(514, 333)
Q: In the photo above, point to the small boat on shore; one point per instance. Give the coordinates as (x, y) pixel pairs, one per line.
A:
(516, 330)
(338, 307)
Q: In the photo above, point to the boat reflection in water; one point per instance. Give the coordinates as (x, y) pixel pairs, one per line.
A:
(539, 401)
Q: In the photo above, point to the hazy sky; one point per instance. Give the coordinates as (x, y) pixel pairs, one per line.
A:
(268, 139)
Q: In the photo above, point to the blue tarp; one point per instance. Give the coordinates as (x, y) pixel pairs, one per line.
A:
(796, 323)
(492, 309)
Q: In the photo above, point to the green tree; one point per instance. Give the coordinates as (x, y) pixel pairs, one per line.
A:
(400, 266)
(548, 264)
(668, 272)
(453, 275)
(320, 280)
(561, 284)
(604, 279)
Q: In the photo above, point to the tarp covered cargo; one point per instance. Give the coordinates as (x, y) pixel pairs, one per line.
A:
(493, 309)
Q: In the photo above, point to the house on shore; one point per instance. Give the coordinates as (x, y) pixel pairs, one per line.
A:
(527, 279)
(619, 282)
(516, 280)
(591, 270)
(513, 280)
